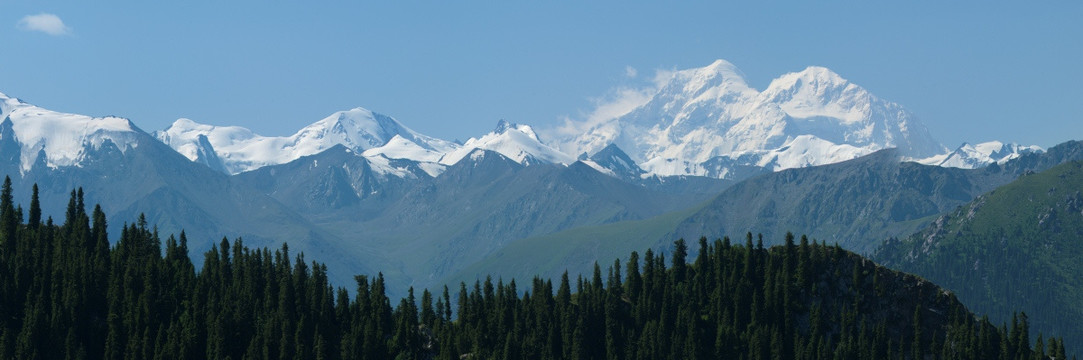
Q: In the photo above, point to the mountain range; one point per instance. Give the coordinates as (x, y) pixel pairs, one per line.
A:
(700, 122)
(362, 191)
(857, 204)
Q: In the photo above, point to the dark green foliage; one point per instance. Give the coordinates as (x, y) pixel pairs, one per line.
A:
(1017, 248)
(66, 294)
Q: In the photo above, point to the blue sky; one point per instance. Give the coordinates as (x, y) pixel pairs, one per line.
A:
(970, 71)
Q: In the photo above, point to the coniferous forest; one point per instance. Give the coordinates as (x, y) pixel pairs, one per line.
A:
(67, 293)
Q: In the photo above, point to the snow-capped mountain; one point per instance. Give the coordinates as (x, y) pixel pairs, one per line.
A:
(517, 142)
(812, 117)
(969, 156)
(613, 161)
(377, 137)
(57, 138)
(704, 121)
(360, 130)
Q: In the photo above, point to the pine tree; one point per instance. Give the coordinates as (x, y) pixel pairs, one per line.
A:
(8, 218)
(67, 294)
(35, 209)
(680, 255)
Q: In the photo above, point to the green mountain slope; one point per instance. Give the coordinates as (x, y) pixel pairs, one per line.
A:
(857, 203)
(1019, 247)
(572, 250)
(472, 210)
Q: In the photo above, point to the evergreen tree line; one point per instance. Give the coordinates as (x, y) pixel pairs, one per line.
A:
(65, 293)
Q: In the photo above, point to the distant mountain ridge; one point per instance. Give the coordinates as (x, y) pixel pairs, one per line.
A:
(968, 156)
(699, 122)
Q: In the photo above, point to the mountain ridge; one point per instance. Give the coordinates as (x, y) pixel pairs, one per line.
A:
(701, 121)
(1016, 247)
(857, 204)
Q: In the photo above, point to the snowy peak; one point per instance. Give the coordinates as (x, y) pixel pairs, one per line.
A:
(969, 156)
(813, 77)
(819, 92)
(357, 129)
(487, 161)
(503, 127)
(703, 121)
(229, 143)
(710, 116)
(718, 77)
(377, 137)
(808, 150)
(612, 160)
(516, 142)
(402, 148)
(64, 139)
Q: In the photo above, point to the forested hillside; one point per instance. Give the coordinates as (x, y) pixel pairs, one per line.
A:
(1018, 247)
(66, 293)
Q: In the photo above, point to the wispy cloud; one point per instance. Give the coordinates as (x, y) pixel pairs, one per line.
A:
(44, 22)
(598, 122)
(622, 100)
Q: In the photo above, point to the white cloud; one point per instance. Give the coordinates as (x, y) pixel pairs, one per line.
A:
(630, 71)
(44, 22)
(623, 100)
(598, 124)
(620, 101)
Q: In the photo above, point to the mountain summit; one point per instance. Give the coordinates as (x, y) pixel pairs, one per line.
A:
(705, 121)
(57, 138)
(357, 129)
(517, 142)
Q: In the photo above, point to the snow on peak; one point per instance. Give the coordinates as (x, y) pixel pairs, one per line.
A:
(819, 92)
(808, 150)
(700, 114)
(969, 156)
(503, 126)
(357, 129)
(613, 161)
(402, 148)
(719, 80)
(64, 138)
(516, 142)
